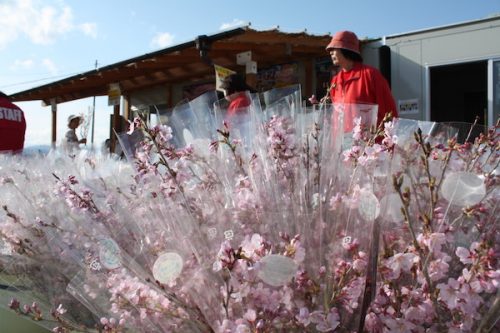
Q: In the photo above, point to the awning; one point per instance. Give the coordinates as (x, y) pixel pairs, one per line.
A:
(187, 62)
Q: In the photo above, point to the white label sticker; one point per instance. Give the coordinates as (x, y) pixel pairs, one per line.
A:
(109, 253)
(277, 270)
(212, 232)
(391, 208)
(228, 234)
(463, 189)
(168, 267)
(95, 265)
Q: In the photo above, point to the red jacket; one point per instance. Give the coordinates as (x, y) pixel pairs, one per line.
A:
(363, 84)
(240, 101)
(12, 126)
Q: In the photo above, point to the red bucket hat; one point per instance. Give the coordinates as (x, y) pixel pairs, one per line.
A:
(344, 40)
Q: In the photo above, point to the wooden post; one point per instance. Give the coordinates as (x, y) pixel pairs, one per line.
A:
(53, 107)
(251, 80)
(251, 74)
(116, 126)
(126, 107)
(170, 98)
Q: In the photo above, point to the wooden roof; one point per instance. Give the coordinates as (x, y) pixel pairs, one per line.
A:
(190, 61)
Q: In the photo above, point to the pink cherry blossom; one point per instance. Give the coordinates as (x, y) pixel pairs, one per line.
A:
(450, 293)
(400, 263)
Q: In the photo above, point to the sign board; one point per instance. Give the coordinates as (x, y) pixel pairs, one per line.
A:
(251, 67)
(408, 106)
(277, 76)
(220, 74)
(114, 94)
(243, 57)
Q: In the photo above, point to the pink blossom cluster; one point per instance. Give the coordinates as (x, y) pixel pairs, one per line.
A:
(295, 307)
(289, 232)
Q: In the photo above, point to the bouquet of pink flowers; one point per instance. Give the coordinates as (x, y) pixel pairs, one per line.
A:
(274, 218)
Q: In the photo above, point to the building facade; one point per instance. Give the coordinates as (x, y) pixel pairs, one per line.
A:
(445, 74)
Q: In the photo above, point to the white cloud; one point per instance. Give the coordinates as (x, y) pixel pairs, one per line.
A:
(23, 64)
(234, 23)
(51, 67)
(49, 24)
(42, 24)
(89, 29)
(9, 24)
(162, 39)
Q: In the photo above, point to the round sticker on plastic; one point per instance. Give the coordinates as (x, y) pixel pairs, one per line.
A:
(391, 208)
(463, 188)
(277, 270)
(369, 207)
(188, 137)
(109, 253)
(168, 267)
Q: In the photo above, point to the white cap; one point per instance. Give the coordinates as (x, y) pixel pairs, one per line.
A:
(73, 116)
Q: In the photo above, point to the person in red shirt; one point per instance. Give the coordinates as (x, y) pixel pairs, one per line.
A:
(12, 126)
(357, 83)
(236, 89)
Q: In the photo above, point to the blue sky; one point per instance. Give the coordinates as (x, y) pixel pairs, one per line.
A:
(42, 41)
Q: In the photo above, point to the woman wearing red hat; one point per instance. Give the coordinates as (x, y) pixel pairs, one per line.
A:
(357, 83)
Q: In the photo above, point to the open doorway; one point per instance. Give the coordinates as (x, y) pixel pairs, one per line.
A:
(459, 92)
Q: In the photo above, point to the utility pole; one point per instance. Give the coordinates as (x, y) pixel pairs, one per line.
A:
(93, 116)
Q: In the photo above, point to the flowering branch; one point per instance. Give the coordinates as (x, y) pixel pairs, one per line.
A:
(231, 144)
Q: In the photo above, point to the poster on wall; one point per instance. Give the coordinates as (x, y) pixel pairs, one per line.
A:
(114, 94)
(220, 74)
(408, 106)
(277, 76)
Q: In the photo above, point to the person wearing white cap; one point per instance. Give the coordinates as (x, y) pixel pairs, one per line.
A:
(357, 83)
(71, 139)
